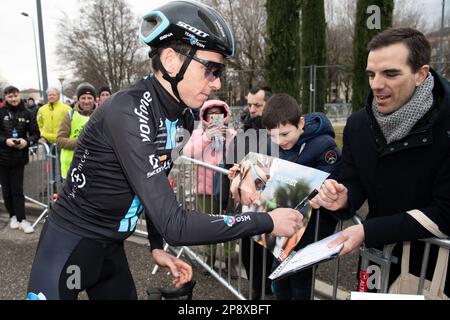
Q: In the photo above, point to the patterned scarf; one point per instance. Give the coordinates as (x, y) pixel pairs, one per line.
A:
(397, 125)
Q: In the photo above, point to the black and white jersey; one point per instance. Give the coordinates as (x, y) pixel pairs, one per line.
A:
(120, 169)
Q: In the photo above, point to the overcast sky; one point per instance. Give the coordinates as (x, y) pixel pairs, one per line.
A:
(17, 57)
(17, 54)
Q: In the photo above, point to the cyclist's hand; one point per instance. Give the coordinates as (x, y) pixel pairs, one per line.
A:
(286, 222)
(181, 271)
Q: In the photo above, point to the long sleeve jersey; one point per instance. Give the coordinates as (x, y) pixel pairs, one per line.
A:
(120, 169)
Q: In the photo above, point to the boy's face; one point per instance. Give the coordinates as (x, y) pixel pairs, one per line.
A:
(287, 135)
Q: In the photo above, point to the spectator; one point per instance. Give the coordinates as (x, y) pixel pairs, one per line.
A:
(209, 144)
(18, 131)
(396, 153)
(256, 98)
(103, 93)
(49, 117)
(309, 141)
(73, 124)
(74, 101)
(32, 107)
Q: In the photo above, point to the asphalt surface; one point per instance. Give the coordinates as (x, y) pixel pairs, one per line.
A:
(17, 251)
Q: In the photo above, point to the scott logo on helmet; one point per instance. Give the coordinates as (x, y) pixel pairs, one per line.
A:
(192, 29)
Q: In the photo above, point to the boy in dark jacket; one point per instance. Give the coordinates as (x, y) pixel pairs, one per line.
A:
(18, 131)
(308, 141)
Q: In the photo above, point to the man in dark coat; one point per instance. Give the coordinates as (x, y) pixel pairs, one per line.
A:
(18, 131)
(396, 152)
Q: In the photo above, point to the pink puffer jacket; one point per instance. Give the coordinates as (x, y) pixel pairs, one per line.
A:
(199, 146)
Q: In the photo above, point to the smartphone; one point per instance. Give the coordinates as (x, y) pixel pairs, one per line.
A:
(217, 120)
(16, 141)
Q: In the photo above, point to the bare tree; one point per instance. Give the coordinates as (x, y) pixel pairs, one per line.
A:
(247, 19)
(408, 13)
(101, 45)
(340, 31)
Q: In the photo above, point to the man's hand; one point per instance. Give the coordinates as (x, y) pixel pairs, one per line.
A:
(23, 143)
(286, 222)
(10, 143)
(352, 237)
(181, 271)
(332, 196)
(43, 140)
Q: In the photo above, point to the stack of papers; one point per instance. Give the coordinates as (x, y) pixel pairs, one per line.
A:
(312, 254)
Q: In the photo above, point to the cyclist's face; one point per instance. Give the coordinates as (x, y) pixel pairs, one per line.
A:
(195, 87)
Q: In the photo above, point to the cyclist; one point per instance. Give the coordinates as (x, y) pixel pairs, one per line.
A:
(121, 161)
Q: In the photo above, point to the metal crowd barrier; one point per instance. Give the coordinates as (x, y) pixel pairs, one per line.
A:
(41, 177)
(384, 258)
(37, 178)
(185, 180)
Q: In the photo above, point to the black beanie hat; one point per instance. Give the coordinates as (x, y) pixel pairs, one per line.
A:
(86, 88)
(104, 88)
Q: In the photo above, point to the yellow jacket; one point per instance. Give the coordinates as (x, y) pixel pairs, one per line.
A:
(49, 119)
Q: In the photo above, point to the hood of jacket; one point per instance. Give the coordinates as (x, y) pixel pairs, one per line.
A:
(316, 124)
(214, 103)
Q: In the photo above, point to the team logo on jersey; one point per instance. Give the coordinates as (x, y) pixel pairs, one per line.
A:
(78, 178)
(331, 157)
(231, 221)
(159, 164)
(154, 161)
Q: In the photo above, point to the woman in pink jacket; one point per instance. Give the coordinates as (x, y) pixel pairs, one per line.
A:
(208, 144)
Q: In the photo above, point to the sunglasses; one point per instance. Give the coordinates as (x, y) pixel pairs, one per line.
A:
(259, 181)
(213, 70)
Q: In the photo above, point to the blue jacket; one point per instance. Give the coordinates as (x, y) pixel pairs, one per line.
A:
(316, 147)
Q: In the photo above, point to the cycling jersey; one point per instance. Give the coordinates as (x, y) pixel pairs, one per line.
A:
(120, 169)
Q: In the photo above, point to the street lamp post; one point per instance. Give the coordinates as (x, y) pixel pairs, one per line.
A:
(61, 79)
(35, 52)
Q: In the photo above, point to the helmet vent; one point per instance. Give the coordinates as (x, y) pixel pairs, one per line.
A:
(211, 26)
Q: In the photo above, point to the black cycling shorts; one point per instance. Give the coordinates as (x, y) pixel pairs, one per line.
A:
(66, 264)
